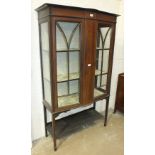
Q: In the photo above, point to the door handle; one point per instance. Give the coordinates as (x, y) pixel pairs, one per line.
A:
(89, 65)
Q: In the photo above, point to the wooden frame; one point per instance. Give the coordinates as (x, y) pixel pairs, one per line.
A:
(66, 19)
(89, 21)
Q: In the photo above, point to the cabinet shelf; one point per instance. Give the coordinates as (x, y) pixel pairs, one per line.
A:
(64, 77)
(98, 93)
(98, 48)
(74, 76)
(70, 50)
(98, 72)
(71, 99)
(68, 100)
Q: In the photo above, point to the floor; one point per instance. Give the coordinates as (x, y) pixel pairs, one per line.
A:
(91, 140)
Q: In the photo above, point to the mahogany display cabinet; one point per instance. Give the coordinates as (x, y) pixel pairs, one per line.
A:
(76, 49)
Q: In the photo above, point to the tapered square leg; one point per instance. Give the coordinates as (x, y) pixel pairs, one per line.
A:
(106, 111)
(94, 105)
(53, 132)
(45, 121)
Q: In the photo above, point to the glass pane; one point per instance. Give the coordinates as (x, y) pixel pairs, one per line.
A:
(68, 62)
(106, 34)
(100, 85)
(67, 34)
(45, 61)
(62, 66)
(105, 61)
(60, 40)
(102, 59)
(98, 65)
(104, 80)
(47, 91)
(44, 36)
(68, 95)
(74, 86)
(74, 65)
(62, 89)
(75, 42)
(98, 79)
(46, 65)
(101, 80)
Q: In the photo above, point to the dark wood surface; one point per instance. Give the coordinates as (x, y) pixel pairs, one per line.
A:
(76, 12)
(89, 59)
(119, 103)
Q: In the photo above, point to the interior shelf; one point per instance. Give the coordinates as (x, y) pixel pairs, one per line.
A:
(74, 98)
(74, 76)
(98, 72)
(68, 100)
(98, 93)
(99, 48)
(64, 77)
(66, 50)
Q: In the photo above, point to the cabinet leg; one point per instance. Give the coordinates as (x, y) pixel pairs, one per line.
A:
(45, 121)
(53, 132)
(94, 105)
(106, 111)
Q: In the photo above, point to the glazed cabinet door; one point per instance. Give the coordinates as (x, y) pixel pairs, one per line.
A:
(67, 46)
(104, 56)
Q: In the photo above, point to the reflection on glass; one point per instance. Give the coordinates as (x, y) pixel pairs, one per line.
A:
(68, 98)
(106, 35)
(47, 91)
(46, 65)
(75, 44)
(62, 65)
(74, 63)
(74, 86)
(67, 36)
(62, 88)
(45, 61)
(68, 62)
(105, 61)
(44, 37)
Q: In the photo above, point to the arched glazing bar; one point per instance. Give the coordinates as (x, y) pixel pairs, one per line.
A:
(63, 34)
(102, 57)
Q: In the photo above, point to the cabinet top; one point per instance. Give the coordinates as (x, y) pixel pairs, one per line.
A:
(46, 5)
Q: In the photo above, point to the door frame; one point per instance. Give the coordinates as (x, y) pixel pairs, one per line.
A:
(55, 19)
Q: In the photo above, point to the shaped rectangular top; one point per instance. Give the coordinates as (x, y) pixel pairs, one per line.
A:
(72, 11)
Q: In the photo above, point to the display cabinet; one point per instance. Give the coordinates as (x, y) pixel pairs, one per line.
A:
(76, 49)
